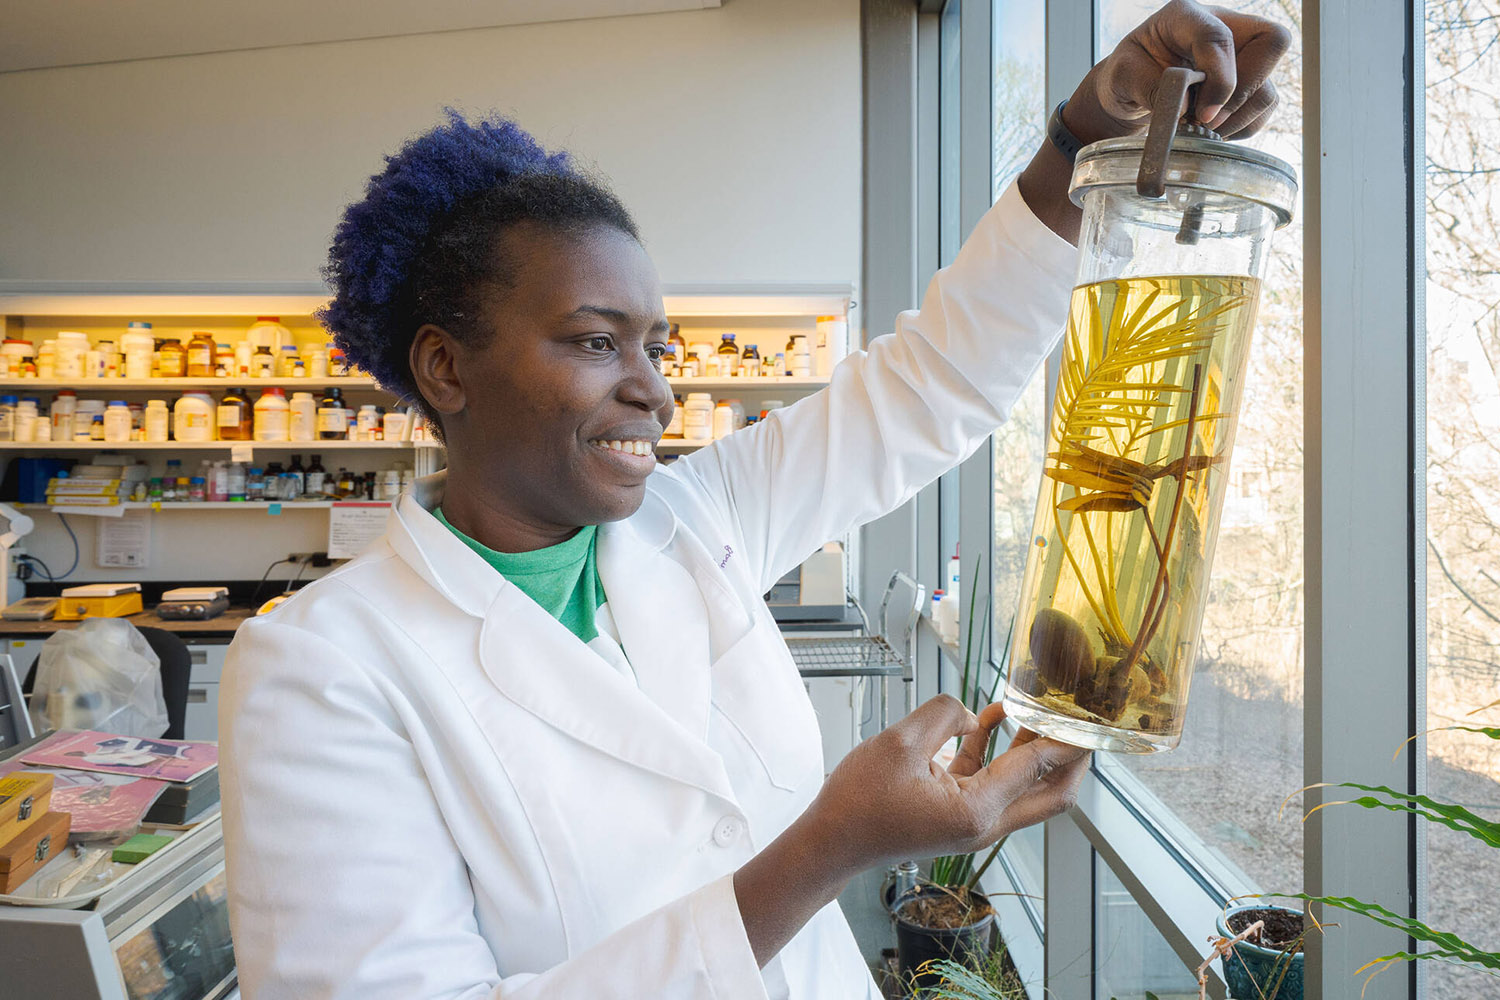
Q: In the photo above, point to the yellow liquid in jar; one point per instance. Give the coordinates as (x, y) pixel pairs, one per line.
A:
(1138, 448)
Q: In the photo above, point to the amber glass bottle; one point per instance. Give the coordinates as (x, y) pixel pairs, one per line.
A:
(173, 359)
(200, 355)
(235, 417)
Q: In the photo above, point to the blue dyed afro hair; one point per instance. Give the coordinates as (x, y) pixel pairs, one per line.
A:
(422, 246)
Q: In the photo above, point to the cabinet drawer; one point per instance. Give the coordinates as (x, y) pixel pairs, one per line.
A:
(202, 719)
(208, 661)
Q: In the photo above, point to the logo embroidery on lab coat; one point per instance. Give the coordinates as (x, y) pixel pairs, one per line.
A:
(727, 553)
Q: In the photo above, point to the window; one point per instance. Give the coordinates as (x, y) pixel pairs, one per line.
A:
(1463, 501)
(1130, 955)
(1241, 751)
(1019, 104)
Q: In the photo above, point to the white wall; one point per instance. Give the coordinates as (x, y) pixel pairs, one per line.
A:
(732, 133)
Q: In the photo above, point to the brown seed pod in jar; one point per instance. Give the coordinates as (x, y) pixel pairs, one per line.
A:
(1060, 649)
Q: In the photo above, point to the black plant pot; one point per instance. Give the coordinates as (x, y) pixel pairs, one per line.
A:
(917, 945)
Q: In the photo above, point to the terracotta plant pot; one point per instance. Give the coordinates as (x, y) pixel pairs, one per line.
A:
(1252, 970)
(916, 944)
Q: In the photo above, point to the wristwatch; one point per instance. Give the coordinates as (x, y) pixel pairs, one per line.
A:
(1066, 142)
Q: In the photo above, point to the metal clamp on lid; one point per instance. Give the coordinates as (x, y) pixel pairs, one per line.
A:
(1151, 182)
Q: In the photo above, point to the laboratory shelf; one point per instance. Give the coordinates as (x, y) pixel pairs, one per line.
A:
(242, 505)
(20, 386)
(308, 446)
(766, 383)
(677, 446)
(149, 299)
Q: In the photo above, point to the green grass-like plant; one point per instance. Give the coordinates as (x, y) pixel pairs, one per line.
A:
(958, 871)
(1444, 946)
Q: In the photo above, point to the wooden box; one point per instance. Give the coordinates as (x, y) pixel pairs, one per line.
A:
(38, 844)
(24, 799)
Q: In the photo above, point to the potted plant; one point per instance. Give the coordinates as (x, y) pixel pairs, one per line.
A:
(1262, 950)
(946, 916)
(1443, 946)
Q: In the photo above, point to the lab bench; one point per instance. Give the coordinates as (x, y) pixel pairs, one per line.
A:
(836, 660)
(207, 642)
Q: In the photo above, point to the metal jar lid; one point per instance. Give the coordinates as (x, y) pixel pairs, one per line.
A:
(1187, 157)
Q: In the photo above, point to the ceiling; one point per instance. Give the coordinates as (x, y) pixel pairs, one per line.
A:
(39, 34)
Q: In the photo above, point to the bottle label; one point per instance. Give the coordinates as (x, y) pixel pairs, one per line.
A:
(200, 356)
(331, 420)
(229, 416)
(195, 421)
(271, 425)
(315, 482)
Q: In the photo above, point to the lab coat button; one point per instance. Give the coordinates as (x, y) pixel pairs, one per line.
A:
(727, 831)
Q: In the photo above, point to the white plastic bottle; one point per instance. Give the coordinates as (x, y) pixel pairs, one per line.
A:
(697, 418)
(157, 419)
(723, 419)
(64, 406)
(46, 359)
(137, 345)
(242, 354)
(945, 617)
(366, 421)
(833, 333)
(303, 417)
(193, 417)
(117, 421)
(393, 426)
(272, 416)
(69, 353)
(801, 357)
(955, 574)
(267, 331)
(26, 420)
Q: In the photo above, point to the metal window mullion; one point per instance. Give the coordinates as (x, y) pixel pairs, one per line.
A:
(1068, 857)
(976, 476)
(1362, 473)
(888, 36)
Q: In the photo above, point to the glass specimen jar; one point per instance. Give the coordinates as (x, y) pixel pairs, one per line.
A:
(1142, 422)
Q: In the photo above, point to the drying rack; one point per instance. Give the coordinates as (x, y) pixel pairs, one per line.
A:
(884, 655)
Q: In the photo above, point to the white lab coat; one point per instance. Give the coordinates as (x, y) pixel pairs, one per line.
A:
(431, 789)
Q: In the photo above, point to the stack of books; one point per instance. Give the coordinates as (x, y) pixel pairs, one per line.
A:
(103, 484)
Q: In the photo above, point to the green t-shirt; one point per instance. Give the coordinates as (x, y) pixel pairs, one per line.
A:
(563, 578)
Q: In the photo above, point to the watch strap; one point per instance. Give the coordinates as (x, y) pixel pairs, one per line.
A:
(1066, 142)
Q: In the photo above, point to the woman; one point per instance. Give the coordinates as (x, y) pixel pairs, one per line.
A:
(544, 739)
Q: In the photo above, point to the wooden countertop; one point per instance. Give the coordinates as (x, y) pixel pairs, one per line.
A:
(223, 625)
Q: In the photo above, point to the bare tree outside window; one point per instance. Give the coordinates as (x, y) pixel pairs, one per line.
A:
(1463, 465)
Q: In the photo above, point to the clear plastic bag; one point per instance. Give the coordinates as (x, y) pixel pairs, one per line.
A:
(101, 676)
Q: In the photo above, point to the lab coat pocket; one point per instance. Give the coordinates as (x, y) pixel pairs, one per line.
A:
(757, 689)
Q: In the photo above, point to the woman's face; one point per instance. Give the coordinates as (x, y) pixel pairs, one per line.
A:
(565, 402)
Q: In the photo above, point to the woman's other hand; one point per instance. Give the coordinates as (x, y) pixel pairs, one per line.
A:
(890, 800)
(1237, 54)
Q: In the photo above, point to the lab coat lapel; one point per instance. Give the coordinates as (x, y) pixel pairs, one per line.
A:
(662, 619)
(542, 667)
(546, 670)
